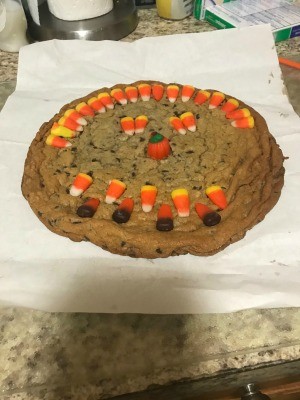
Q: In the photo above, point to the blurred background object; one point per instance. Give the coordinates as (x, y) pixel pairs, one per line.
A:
(12, 25)
(80, 19)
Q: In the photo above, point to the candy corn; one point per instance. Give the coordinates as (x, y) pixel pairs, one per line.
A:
(132, 93)
(56, 141)
(177, 124)
(119, 96)
(69, 123)
(216, 99)
(188, 121)
(115, 190)
(85, 109)
(208, 216)
(127, 124)
(140, 123)
(157, 91)
(88, 208)
(217, 196)
(80, 184)
(172, 93)
(247, 122)
(106, 100)
(158, 147)
(122, 214)
(187, 92)
(201, 97)
(181, 201)
(96, 105)
(148, 197)
(230, 105)
(144, 91)
(237, 114)
(164, 218)
(75, 116)
(59, 130)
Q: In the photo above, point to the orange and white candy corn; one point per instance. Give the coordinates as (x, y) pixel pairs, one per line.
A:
(217, 196)
(119, 96)
(230, 105)
(75, 116)
(132, 93)
(127, 124)
(201, 97)
(144, 91)
(81, 183)
(106, 100)
(247, 122)
(148, 197)
(115, 190)
(96, 105)
(181, 201)
(216, 99)
(69, 123)
(177, 124)
(59, 130)
(188, 121)
(85, 109)
(140, 123)
(172, 93)
(237, 114)
(187, 92)
(157, 91)
(56, 141)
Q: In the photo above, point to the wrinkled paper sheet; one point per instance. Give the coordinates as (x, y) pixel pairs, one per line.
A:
(41, 270)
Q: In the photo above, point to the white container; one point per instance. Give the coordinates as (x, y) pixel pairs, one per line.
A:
(13, 26)
(75, 10)
(174, 9)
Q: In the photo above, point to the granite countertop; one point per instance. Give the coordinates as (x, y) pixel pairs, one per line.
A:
(87, 356)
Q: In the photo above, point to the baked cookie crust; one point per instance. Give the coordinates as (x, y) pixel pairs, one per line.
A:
(246, 163)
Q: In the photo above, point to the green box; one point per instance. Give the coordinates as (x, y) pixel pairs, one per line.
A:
(201, 5)
(282, 15)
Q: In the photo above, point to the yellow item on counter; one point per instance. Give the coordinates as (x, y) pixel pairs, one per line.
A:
(174, 9)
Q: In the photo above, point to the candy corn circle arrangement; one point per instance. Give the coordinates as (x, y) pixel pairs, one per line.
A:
(153, 170)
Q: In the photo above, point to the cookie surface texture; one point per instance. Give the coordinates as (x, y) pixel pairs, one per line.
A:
(201, 159)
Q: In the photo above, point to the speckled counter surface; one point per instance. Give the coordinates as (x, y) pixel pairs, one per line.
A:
(83, 356)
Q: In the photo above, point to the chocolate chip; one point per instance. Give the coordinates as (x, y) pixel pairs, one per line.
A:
(121, 216)
(40, 213)
(85, 211)
(142, 139)
(123, 243)
(197, 116)
(212, 218)
(159, 251)
(164, 224)
(133, 174)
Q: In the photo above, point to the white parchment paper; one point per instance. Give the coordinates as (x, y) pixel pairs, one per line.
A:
(42, 270)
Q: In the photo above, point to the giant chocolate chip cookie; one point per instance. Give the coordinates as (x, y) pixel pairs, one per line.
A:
(153, 170)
